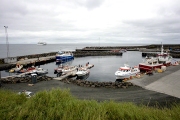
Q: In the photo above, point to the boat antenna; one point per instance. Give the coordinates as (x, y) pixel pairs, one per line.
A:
(161, 48)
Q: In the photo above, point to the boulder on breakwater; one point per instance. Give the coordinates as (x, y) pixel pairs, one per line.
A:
(79, 82)
(96, 84)
(26, 79)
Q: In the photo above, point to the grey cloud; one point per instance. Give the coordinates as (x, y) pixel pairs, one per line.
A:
(12, 6)
(90, 4)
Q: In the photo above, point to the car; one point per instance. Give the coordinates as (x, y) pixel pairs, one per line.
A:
(27, 93)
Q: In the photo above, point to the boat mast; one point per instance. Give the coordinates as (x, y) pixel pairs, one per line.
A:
(161, 48)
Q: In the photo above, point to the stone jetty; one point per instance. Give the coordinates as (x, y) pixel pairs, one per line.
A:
(96, 84)
(26, 79)
(79, 82)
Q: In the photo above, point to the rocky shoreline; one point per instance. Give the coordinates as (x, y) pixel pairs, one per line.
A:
(78, 82)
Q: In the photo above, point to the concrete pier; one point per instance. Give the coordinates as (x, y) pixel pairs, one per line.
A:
(72, 73)
(25, 62)
(63, 76)
(167, 82)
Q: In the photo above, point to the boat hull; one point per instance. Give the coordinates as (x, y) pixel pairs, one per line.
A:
(64, 58)
(82, 73)
(122, 77)
(85, 76)
(144, 67)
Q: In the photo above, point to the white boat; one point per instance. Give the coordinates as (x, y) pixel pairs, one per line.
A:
(82, 71)
(149, 64)
(39, 71)
(126, 72)
(17, 68)
(164, 57)
(41, 43)
(58, 69)
(68, 69)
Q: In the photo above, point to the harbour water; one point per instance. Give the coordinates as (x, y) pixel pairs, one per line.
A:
(104, 66)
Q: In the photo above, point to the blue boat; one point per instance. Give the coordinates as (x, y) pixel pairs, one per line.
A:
(62, 57)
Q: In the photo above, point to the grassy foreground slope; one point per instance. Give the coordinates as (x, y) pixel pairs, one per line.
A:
(60, 104)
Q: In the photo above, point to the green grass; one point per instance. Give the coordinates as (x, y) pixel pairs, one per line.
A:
(58, 104)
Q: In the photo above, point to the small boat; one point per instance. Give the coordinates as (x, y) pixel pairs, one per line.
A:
(41, 43)
(82, 71)
(29, 69)
(175, 63)
(17, 68)
(126, 72)
(58, 70)
(122, 50)
(68, 69)
(40, 71)
(149, 64)
(64, 56)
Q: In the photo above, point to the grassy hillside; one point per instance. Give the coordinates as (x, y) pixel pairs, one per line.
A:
(60, 104)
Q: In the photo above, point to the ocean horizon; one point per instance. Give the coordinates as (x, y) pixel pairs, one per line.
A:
(28, 49)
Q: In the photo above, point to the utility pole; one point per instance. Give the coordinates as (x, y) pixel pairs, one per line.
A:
(7, 43)
(99, 42)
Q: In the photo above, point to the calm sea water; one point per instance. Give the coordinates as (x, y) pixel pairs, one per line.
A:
(104, 66)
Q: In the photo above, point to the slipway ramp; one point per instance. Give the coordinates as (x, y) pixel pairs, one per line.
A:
(167, 82)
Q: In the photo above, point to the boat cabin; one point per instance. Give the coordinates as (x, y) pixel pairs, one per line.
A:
(124, 69)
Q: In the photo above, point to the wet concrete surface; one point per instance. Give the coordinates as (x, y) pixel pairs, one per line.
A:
(167, 82)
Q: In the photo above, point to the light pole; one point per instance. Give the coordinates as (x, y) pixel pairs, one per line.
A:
(7, 43)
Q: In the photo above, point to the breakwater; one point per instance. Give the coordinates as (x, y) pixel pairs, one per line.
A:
(39, 59)
(27, 63)
(96, 53)
(174, 55)
(79, 82)
(18, 58)
(26, 79)
(84, 83)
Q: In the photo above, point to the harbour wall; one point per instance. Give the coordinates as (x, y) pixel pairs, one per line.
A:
(11, 59)
(174, 55)
(96, 53)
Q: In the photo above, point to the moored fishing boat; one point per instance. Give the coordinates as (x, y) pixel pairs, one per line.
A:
(64, 56)
(149, 64)
(126, 72)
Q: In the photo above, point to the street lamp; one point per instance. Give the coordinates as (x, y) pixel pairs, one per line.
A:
(7, 43)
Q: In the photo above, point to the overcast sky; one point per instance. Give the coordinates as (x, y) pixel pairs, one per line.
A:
(90, 21)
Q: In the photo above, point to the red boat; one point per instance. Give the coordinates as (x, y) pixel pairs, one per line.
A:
(150, 64)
